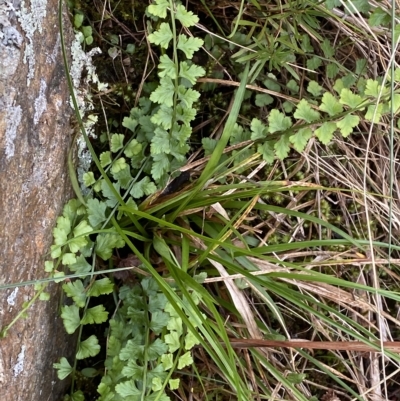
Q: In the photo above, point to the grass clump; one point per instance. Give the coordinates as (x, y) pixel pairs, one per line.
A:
(239, 202)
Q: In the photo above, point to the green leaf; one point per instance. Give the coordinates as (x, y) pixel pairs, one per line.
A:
(160, 142)
(305, 112)
(88, 179)
(282, 147)
(374, 113)
(101, 287)
(134, 349)
(118, 165)
(156, 349)
(48, 266)
(157, 302)
(105, 392)
(186, 115)
(396, 102)
(89, 372)
(68, 259)
(97, 314)
(189, 45)
(133, 148)
(162, 36)
(167, 67)
(267, 151)
(293, 86)
(327, 48)
(89, 39)
(132, 370)
(379, 17)
(185, 360)
(350, 99)
(44, 296)
(105, 158)
(325, 132)
(258, 129)
(175, 323)
(306, 43)
(61, 231)
(347, 124)
(78, 20)
(82, 228)
(187, 96)
(271, 83)
(164, 93)
(278, 121)
(167, 361)
(108, 193)
(76, 291)
(163, 117)
(372, 88)
(159, 8)
(314, 63)
(173, 341)
(71, 318)
(143, 187)
(80, 266)
(332, 70)
(117, 142)
(288, 107)
(105, 243)
(314, 88)
(339, 86)
(191, 73)
(300, 139)
(160, 165)
(80, 241)
(263, 99)
(209, 145)
(128, 389)
(361, 66)
(296, 378)
(238, 135)
(330, 4)
(173, 384)
(130, 123)
(159, 320)
(63, 368)
(130, 48)
(186, 18)
(87, 31)
(77, 396)
(96, 212)
(87, 348)
(71, 208)
(396, 33)
(397, 75)
(191, 340)
(361, 6)
(156, 384)
(330, 105)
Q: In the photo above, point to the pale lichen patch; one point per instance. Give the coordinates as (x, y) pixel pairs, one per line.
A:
(19, 366)
(11, 298)
(13, 120)
(81, 61)
(31, 21)
(40, 102)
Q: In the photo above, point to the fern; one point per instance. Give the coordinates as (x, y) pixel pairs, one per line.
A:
(174, 94)
(335, 114)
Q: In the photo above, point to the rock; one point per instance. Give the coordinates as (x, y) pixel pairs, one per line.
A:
(34, 185)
